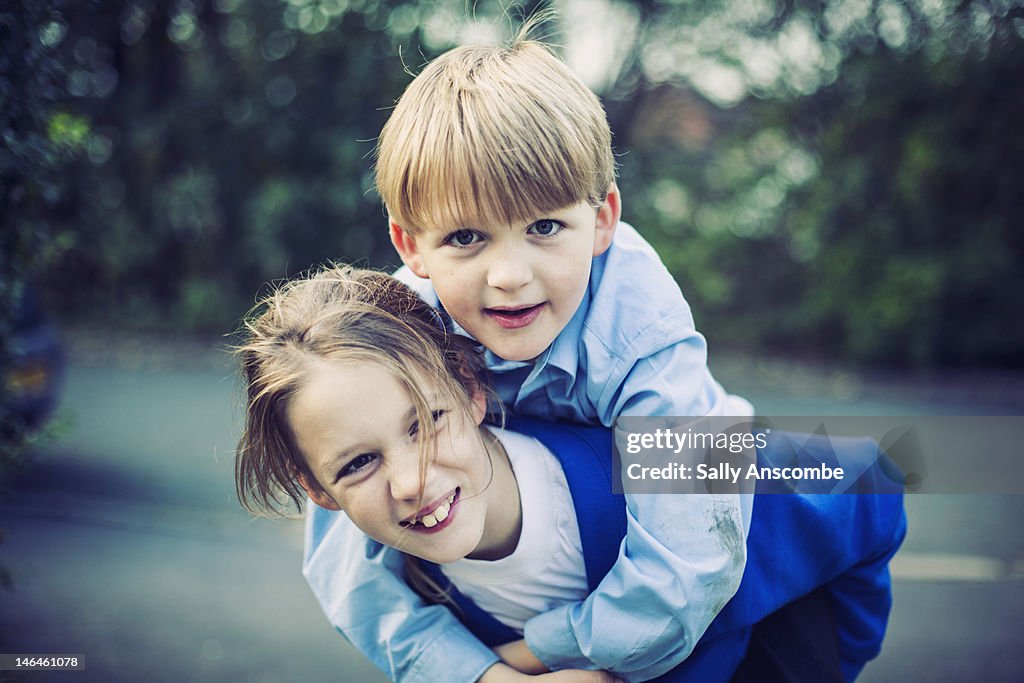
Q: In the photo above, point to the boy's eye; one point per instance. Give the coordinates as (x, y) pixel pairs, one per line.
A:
(357, 464)
(546, 227)
(463, 238)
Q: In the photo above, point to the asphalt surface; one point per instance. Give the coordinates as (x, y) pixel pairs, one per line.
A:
(125, 544)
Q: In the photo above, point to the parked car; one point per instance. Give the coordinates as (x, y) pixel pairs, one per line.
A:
(36, 373)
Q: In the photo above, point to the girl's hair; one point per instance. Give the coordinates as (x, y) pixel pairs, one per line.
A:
(339, 313)
(493, 134)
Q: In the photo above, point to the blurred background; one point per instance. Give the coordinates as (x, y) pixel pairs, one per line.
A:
(837, 186)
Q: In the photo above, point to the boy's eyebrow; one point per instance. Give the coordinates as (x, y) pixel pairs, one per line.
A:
(481, 227)
(484, 224)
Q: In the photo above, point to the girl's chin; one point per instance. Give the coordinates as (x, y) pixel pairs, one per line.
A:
(435, 559)
(439, 555)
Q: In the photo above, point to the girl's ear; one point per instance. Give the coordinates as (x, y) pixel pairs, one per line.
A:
(479, 399)
(405, 245)
(316, 494)
(608, 215)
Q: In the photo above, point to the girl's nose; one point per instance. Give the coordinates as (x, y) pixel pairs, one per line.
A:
(509, 271)
(404, 477)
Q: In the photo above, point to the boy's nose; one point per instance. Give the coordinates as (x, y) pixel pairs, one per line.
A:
(509, 272)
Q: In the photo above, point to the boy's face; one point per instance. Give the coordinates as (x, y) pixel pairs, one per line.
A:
(514, 287)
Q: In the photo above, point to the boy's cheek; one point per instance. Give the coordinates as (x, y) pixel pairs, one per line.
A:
(450, 280)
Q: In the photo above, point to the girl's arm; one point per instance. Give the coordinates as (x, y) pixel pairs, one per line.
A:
(359, 585)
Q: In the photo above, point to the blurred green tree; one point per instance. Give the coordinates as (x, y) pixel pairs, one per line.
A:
(227, 146)
(38, 137)
(840, 177)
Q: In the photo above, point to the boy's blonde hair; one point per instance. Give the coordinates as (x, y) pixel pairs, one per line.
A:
(490, 134)
(342, 314)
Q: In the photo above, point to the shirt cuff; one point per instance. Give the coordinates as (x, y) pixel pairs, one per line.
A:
(549, 636)
(454, 655)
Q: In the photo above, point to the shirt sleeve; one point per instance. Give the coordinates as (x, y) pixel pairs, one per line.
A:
(665, 373)
(359, 585)
(680, 562)
(683, 555)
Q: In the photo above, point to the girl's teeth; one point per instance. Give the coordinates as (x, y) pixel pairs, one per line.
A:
(438, 515)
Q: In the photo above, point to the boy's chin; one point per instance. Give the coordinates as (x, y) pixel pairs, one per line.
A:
(519, 350)
(522, 356)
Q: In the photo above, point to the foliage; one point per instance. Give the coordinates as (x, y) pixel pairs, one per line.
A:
(36, 133)
(836, 177)
(226, 146)
(862, 202)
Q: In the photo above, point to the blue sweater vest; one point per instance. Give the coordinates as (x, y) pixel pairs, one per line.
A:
(796, 544)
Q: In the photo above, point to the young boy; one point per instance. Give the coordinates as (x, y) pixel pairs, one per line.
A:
(497, 172)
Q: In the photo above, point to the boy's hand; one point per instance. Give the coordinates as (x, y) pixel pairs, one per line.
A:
(502, 673)
(518, 656)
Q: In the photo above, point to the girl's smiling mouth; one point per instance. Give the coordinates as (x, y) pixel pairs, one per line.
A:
(434, 518)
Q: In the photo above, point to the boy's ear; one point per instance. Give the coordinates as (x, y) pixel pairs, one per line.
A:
(608, 215)
(316, 494)
(405, 245)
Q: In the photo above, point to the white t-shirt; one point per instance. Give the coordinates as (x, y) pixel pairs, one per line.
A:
(546, 569)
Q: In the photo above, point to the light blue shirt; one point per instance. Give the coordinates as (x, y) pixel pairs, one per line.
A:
(630, 349)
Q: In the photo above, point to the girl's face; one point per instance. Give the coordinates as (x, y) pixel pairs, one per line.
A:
(357, 429)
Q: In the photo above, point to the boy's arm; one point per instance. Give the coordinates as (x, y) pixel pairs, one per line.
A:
(359, 586)
(680, 562)
(683, 555)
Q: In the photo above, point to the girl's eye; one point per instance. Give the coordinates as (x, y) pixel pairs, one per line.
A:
(357, 464)
(436, 415)
(463, 238)
(546, 227)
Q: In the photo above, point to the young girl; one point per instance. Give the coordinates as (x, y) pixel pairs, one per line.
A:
(360, 398)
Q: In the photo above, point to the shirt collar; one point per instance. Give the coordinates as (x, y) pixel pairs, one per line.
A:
(564, 352)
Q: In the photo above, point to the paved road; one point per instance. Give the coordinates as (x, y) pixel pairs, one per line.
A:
(125, 544)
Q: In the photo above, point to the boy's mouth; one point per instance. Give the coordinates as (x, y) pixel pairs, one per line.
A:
(434, 517)
(514, 317)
